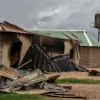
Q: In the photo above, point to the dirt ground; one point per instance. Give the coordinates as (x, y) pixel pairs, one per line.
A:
(92, 91)
(79, 75)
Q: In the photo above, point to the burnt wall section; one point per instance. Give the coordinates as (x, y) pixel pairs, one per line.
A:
(6, 40)
(53, 47)
(1, 47)
(26, 43)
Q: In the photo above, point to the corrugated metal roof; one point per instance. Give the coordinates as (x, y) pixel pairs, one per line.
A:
(55, 34)
(93, 41)
(34, 77)
(9, 72)
(8, 27)
(81, 36)
(87, 39)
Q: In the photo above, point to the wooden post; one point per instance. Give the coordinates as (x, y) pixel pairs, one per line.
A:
(98, 35)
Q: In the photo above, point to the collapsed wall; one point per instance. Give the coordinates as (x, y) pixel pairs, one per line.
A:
(37, 58)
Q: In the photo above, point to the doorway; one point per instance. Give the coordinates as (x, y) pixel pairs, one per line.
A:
(15, 54)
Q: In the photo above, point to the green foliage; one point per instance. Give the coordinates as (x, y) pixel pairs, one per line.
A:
(14, 96)
(75, 80)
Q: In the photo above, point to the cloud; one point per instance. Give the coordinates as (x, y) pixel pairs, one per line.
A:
(50, 14)
(46, 18)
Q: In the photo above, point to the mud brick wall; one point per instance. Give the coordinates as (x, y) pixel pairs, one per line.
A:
(94, 57)
(90, 56)
(84, 56)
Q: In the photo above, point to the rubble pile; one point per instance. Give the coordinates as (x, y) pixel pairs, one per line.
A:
(13, 80)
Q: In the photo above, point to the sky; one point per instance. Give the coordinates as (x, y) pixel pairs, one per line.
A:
(51, 14)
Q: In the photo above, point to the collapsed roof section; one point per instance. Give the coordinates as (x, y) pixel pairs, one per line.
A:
(8, 27)
(37, 58)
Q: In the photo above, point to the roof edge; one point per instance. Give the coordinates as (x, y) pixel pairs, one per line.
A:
(56, 30)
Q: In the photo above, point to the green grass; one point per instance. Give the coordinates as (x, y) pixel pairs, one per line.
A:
(13, 96)
(80, 81)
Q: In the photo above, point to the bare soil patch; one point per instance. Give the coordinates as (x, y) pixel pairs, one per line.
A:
(92, 91)
(79, 75)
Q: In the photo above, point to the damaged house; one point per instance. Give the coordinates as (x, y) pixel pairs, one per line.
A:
(38, 48)
(54, 44)
(15, 43)
(21, 50)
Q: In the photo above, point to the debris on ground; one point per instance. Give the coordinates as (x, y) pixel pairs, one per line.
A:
(54, 88)
(14, 80)
(25, 81)
(65, 64)
(52, 77)
(9, 72)
(65, 95)
(94, 73)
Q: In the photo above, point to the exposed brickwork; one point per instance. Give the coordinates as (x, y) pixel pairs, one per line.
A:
(94, 57)
(84, 55)
(90, 56)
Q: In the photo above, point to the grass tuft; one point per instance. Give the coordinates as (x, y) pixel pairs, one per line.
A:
(14, 96)
(75, 80)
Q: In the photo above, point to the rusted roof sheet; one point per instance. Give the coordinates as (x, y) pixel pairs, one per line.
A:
(34, 77)
(27, 80)
(8, 27)
(9, 72)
